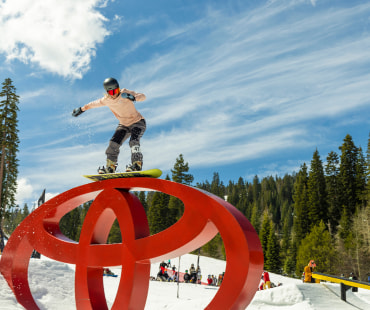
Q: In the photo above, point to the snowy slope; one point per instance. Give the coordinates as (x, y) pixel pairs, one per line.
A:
(52, 285)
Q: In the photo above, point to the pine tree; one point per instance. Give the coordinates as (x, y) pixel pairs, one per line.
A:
(331, 180)
(361, 243)
(142, 198)
(317, 196)
(265, 232)
(318, 245)
(255, 217)
(180, 175)
(368, 172)
(347, 175)
(272, 262)
(158, 213)
(70, 223)
(9, 142)
(217, 187)
(115, 233)
(360, 179)
(301, 221)
(179, 172)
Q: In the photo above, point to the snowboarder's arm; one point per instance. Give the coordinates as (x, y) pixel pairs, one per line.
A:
(93, 104)
(138, 96)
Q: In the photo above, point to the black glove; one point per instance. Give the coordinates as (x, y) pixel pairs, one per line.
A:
(77, 112)
(128, 96)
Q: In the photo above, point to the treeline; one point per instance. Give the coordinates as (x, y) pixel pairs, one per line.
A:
(321, 212)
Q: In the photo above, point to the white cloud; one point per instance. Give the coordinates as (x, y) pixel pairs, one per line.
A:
(25, 191)
(58, 36)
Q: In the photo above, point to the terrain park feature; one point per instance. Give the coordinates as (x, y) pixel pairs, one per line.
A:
(204, 216)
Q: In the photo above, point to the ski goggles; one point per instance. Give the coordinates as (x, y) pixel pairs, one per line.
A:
(113, 92)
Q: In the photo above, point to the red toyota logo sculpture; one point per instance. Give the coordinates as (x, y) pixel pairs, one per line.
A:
(204, 213)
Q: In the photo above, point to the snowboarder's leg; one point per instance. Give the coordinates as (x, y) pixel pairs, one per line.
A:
(112, 152)
(137, 131)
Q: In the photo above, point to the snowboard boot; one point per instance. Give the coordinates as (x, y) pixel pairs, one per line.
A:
(135, 166)
(111, 167)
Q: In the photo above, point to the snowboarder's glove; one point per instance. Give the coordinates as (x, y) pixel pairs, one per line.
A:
(128, 96)
(77, 112)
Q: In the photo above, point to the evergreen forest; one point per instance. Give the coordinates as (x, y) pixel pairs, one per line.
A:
(320, 212)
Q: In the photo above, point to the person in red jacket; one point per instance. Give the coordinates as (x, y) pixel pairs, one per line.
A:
(266, 280)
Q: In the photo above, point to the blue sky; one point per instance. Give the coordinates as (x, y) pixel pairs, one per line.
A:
(241, 88)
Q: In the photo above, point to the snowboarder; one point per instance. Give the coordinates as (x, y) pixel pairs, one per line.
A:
(131, 124)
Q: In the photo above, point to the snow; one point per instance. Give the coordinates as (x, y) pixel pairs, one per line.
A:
(52, 285)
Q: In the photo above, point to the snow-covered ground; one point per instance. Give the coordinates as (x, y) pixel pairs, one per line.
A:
(52, 285)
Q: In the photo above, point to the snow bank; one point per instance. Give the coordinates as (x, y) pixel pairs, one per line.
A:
(52, 285)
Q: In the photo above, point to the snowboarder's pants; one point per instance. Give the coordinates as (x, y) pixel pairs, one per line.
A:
(122, 133)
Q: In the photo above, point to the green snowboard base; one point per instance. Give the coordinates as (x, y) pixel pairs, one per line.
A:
(152, 173)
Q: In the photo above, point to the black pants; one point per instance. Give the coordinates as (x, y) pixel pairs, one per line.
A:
(122, 133)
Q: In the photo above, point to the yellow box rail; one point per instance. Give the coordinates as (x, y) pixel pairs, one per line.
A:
(345, 284)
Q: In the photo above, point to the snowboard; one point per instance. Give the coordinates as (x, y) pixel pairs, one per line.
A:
(152, 173)
(110, 275)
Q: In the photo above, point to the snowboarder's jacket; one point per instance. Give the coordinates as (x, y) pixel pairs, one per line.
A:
(122, 107)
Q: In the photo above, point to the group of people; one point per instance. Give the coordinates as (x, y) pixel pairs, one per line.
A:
(169, 273)
(193, 275)
(214, 281)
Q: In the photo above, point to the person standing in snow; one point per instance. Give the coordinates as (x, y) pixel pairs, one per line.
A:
(131, 124)
(266, 280)
(193, 274)
(186, 276)
(308, 272)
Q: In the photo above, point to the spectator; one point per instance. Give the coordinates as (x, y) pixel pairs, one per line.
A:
(107, 271)
(162, 274)
(368, 277)
(173, 277)
(260, 286)
(186, 276)
(220, 278)
(352, 276)
(266, 280)
(199, 275)
(308, 272)
(214, 279)
(209, 280)
(193, 274)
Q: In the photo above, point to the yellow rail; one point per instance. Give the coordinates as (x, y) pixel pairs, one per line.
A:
(345, 281)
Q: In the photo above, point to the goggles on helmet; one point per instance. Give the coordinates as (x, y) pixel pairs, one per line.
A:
(113, 92)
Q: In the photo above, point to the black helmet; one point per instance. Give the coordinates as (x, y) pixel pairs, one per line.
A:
(110, 84)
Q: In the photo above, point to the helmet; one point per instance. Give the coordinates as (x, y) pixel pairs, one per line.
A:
(110, 84)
